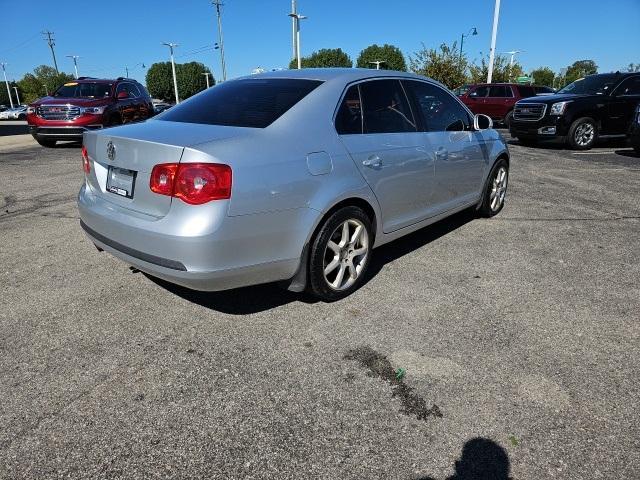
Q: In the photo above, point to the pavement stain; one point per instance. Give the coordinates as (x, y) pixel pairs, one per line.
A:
(380, 366)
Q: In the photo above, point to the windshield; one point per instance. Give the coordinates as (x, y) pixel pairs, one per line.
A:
(593, 85)
(242, 103)
(84, 90)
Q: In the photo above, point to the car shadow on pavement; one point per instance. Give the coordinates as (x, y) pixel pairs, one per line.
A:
(481, 459)
(258, 298)
(628, 153)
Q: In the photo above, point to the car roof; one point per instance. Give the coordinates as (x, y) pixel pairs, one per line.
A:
(324, 74)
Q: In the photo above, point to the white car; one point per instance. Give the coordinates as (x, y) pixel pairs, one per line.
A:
(17, 113)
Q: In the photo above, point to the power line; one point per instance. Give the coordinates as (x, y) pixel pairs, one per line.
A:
(218, 4)
(51, 41)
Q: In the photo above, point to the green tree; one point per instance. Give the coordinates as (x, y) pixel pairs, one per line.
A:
(580, 69)
(443, 65)
(190, 79)
(502, 70)
(633, 67)
(43, 79)
(543, 76)
(389, 54)
(324, 58)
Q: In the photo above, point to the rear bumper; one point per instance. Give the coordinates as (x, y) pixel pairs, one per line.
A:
(547, 128)
(61, 133)
(229, 252)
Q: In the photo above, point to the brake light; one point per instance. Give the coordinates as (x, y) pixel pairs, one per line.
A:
(86, 166)
(193, 183)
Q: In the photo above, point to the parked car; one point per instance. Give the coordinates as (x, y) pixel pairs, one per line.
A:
(87, 104)
(16, 113)
(593, 107)
(3, 108)
(161, 107)
(288, 176)
(634, 131)
(496, 100)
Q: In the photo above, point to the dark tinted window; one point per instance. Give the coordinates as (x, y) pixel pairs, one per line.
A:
(440, 111)
(526, 91)
(129, 88)
(480, 92)
(593, 85)
(631, 86)
(349, 117)
(83, 90)
(386, 109)
(541, 90)
(501, 91)
(253, 103)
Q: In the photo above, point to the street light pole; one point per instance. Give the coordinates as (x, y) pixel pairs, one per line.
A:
(173, 68)
(75, 62)
(494, 34)
(473, 31)
(17, 96)
(294, 10)
(297, 17)
(377, 63)
(206, 74)
(7, 84)
(218, 4)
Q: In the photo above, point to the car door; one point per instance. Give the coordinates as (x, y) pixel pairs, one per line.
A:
(499, 101)
(622, 105)
(377, 127)
(476, 99)
(457, 149)
(126, 106)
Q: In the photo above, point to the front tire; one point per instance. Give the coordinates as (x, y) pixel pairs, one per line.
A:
(340, 254)
(583, 134)
(495, 190)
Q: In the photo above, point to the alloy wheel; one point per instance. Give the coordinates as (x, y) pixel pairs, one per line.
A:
(584, 134)
(346, 254)
(498, 189)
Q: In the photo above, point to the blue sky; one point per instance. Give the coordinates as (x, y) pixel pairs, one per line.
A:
(111, 35)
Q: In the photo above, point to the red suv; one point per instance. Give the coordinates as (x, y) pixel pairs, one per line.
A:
(497, 99)
(86, 104)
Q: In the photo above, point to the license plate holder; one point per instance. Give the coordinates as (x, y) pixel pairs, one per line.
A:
(121, 181)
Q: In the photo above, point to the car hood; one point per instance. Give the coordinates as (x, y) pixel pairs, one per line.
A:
(80, 102)
(549, 99)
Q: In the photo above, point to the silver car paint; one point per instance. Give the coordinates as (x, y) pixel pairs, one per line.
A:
(285, 178)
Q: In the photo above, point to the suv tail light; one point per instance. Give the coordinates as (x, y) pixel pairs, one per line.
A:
(86, 166)
(193, 183)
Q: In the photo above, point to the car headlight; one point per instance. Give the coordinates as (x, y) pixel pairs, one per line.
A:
(93, 110)
(31, 109)
(558, 108)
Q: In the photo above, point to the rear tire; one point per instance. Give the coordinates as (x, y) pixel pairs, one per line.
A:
(495, 190)
(340, 254)
(507, 119)
(583, 134)
(46, 143)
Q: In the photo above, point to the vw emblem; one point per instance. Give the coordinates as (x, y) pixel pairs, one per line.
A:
(111, 151)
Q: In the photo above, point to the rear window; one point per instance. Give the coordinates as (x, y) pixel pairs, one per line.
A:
(526, 92)
(83, 90)
(255, 103)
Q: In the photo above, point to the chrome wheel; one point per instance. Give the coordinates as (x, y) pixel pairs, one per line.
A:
(584, 134)
(346, 254)
(498, 189)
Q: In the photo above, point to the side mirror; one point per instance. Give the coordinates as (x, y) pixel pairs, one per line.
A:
(482, 122)
(123, 95)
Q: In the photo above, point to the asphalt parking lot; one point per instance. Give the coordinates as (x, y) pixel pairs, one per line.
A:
(519, 336)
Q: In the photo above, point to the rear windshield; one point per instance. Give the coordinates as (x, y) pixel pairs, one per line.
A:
(253, 103)
(83, 90)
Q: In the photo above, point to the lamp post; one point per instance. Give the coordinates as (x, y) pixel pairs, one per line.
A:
(173, 68)
(472, 32)
(16, 89)
(206, 74)
(7, 84)
(377, 63)
(75, 62)
(513, 54)
(297, 17)
(494, 34)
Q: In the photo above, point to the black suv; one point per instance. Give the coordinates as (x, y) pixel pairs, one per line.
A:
(597, 106)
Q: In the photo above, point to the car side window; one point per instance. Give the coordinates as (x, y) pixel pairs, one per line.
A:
(480, 92)
(631, 86)
(386, 108)
(349, 117)
(500, 91)
(441, 112)
(127, 87)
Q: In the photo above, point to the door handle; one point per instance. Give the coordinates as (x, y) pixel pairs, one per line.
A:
(373, 161)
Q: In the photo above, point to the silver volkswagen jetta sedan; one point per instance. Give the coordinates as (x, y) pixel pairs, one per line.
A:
(294, 175)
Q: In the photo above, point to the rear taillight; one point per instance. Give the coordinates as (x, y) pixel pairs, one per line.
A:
(193, 183)
(86, 166)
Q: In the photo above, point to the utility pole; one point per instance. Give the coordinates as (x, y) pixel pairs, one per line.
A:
(7, 84)
(17, 96)
(75, 63)
(173, 68)
(51, 41)
(377, 63)
(126, 69)
(294, 11)
(218, 4)
(494, 34)
(297, 17)
(206, 74)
